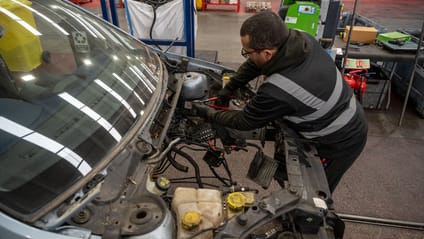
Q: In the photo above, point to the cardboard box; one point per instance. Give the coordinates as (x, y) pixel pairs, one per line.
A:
(361, 34)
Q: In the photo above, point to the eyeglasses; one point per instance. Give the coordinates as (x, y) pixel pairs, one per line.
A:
(246, 54)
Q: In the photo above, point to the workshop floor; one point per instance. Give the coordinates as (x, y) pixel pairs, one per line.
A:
(387, 181)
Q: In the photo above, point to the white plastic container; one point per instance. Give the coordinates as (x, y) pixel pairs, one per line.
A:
(206, 202)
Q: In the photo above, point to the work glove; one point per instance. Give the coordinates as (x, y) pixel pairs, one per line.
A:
(223, 97)
(202, 110)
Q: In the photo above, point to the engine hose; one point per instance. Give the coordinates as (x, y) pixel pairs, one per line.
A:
(192, 162)
(157, 157)
(382, 222)
(177, 165)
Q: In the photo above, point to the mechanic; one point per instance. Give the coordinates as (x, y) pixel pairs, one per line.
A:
(303, 88)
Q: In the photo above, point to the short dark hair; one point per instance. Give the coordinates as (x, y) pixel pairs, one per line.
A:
(265, 30)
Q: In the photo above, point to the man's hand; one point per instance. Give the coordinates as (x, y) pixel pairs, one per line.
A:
(202, 110)
(223, 97)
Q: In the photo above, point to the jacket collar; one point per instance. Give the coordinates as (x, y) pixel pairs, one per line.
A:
(290, 54)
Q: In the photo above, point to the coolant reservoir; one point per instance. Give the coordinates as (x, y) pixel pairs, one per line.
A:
(197, 209)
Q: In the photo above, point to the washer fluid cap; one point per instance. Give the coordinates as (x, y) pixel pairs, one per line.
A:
(236, 201)
(163, 183)
(191, 220)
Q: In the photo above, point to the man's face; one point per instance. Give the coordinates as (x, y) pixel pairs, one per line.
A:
(258, 56)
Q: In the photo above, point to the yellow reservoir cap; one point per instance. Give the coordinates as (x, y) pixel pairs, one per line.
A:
(191, 220)
(236, 201)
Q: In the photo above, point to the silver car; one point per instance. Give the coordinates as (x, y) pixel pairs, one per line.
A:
(90, 121)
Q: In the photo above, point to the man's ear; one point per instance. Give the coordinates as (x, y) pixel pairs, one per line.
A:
(269, 53)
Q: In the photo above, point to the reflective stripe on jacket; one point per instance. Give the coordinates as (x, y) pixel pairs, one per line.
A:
(322, 107)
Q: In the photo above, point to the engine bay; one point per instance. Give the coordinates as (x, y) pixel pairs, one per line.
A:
(174, 179)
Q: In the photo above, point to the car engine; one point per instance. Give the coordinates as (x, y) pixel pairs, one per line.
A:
(136, 198)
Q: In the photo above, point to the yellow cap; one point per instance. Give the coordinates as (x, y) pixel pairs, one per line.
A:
(236, 201)
(163, 183)
(191, 219)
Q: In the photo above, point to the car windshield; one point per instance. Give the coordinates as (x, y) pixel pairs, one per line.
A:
(71, 88)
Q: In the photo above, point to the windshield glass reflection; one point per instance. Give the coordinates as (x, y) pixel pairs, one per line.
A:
(71, 87)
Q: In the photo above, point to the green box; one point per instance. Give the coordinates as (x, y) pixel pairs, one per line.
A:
(389, 36)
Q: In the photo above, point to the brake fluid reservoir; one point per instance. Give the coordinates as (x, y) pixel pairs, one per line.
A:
(237, 202)
(197, 209)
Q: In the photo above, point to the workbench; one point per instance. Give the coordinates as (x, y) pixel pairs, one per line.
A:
(388, 59)
(374, 53)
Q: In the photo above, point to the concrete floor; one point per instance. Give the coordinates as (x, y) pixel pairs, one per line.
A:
(387, 180)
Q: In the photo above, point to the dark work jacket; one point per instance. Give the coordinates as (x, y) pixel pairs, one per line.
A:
(304, 88)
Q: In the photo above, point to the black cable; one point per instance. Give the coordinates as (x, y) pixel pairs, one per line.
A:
(206, 177)
(206, 184)
(192, 162)
(219, 177)
(162, 170)
(155, 4)
(193, 149)
(176, 164)
(201, 231)
(161, 166)
(151, 27)
(227, 168)
(207, 229)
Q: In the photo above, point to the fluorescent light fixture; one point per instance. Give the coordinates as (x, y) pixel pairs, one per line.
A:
(115, 134)
(147, 81)
(104, 123)
(28, 77)
(77, 17)
(87, 62)
(92, 114)
(42, 16)
(70, 156)
(141, 78)
(13, 128)
(128, 87)
(19, 20)
(116, 96)
(72, 100)
(46, 143)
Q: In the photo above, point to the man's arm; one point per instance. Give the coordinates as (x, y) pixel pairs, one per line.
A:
(246, 72)
(262, 109)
